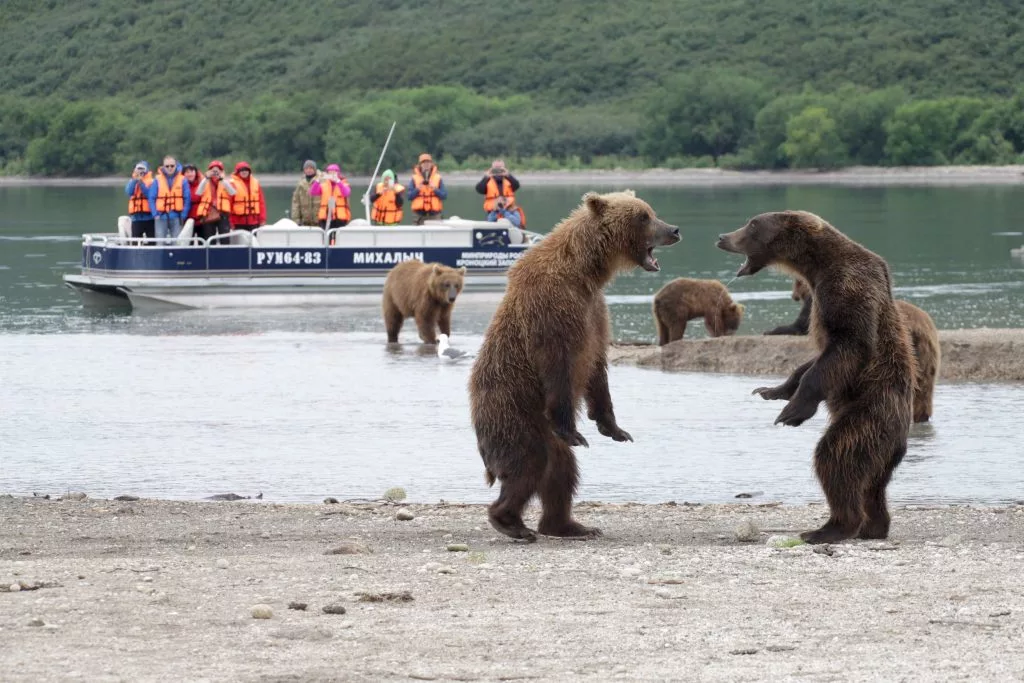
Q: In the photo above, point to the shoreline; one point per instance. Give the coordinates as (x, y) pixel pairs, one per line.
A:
(856, 176)
(976, 355)
(147, 589)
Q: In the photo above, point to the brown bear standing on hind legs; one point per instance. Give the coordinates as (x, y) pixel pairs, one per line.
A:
(924, 340)
(684, 299)
(545, 350)
(864, 371)
(424, 291)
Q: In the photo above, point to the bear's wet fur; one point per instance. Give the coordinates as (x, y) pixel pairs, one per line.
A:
(684, 299)
(425, 292)
(864, 371)
(545, 352)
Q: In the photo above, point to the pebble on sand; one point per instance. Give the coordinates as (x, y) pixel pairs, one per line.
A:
(404, 515)
(747, 531)
(15, 587)
(222, 563)
(37, 622)
(457, 547)
(262, 612)
(334, 608)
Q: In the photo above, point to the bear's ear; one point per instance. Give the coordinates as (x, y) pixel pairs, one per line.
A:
(739, 308)
(437, 269)
(629, 193)
(462, 270)
(595, 203)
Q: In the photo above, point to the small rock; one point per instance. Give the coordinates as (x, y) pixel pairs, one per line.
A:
(404, 515)
(330, 500)
(262, 612)
(665, 549)
(350, 548)
(37, 622)
(747, 531)
(665, 579)
(147, 579)
(301, 606)
(750, 494)
(395, 494)
(400, 596)
(744, 651)
(824, 549)
(127, 498)
(222, 563)
(76, 495)
(334, 608)
(780, 648)
(445, 570)
(457, 547)
(15, 587)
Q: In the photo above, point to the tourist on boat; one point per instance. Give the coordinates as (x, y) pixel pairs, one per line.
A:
(193, 178)
(427, 191)
(387, 199)
(332, 184)
(169, 199)
(304, 205)
(497, 182)
(248, 205)
(137, 191)
(506, 208)
(215, 193)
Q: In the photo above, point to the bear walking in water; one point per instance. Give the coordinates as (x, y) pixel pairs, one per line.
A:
(424, 291)
(924, 340)
(864, 371)
(684, 299)
(545, 351)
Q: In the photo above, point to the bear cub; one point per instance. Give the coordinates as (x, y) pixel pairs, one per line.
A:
(684, 299)
(425, 292)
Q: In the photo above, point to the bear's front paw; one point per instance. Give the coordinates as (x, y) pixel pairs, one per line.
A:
(613, 431)
(771, 393)
(573, 438)
(794, 414)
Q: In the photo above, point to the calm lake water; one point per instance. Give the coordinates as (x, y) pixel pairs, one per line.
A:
(304, 404)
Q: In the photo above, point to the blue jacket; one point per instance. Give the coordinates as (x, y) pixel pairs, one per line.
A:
(129, 190)
(412, 191)
(155, 187)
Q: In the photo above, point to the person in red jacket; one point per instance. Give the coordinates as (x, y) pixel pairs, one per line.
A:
(248, 205)
(192, 178)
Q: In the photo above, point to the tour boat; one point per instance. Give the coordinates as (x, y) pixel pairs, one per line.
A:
(285, 264)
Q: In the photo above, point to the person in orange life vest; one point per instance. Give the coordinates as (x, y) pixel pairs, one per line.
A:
(332, 183)
(137, 191)
(169, 199)
(427, 191)
(506, 208)
(498, 182)
(215, 193)
(387, 199)
(249, 204)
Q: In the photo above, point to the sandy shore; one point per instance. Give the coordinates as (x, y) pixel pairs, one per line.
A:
(161, 590)
(690, 177)
(975, 355)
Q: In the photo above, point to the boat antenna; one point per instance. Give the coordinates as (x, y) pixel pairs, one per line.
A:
(366, 195)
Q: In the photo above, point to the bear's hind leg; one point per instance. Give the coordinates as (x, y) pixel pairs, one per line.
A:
(557, 488)
(876, 522)
(393, 320)
(519, 467)
(843, 468)
(506, 513)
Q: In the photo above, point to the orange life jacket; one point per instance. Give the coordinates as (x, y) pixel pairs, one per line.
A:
(223, 199)
(138, 203)
(386, 210)
(246, 201)
(341, 210)
(170, 198)
(427, 200)
(491, 198)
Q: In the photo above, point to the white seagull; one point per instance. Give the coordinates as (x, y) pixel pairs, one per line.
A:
(446, 352)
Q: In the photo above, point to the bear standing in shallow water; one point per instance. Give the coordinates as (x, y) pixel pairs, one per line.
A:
(544, 352)
(424, 291)
(864, 371)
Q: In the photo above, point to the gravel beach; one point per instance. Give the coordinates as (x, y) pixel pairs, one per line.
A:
(153, 590)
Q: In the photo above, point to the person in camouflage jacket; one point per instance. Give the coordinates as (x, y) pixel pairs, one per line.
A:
(305, 207)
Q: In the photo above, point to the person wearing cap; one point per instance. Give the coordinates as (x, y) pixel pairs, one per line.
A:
(248, 205)
(215, 193)
(137, 191)
(386, 198)
(427, 191)
(304, 206)
(169, 200)
(332, 184)
(497, 182)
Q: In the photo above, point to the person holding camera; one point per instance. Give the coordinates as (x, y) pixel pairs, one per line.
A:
(137, 190)
(427, 191)
(248, 204)
(386, 197)
(497, 182)
(214, 212)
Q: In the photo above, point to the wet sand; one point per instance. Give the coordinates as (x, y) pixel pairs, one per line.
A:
(161, 590)
(980, 355)
(689, 177)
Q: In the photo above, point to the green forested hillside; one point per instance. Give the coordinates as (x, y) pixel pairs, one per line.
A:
(598, 82)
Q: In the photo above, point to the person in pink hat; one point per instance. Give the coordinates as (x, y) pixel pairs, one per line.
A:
(333, 190)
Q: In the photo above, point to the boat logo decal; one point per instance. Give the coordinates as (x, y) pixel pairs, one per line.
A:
(97, 257)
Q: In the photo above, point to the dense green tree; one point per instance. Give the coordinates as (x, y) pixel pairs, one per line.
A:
(812, 140)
